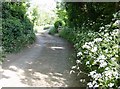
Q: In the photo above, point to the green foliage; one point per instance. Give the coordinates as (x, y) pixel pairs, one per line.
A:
(99, 52)
(16, 27)
(91, 15)
(61, 12)
(58, 23)
(96, 44)
(67, 33)
(53, 30)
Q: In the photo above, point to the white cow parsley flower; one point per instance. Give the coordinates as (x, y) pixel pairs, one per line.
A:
(79, 53)
(77, 61)
(86, 46)
(87, 63)
(92, 73)
(117, 23)
(73, 67)
(96, 85)
(111, 84)
(97, 76)
(101, 57)
(90, 84)
(102, 28)
(106, 34)
(97, 40)
(94, 49)
(103, 63)
(72, 71)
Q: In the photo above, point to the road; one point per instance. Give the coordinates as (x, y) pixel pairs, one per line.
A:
(46, 63)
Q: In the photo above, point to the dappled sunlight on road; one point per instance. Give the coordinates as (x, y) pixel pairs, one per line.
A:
(41, 31)
(56, 48)
(12, 77)
(16, 77)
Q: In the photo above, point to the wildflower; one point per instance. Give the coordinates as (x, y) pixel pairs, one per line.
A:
(86, 46)
(96, 85)
(97, 76)
(86, 52)
(90, 84)
(107, 40)
(78, 68)
(77, 61)
(107, 68)
(111, 84)
(102, 28)
(107, 25)
(116, 46)
(72, 71)
(117, 23)
(106, 34)
(103, 63)
(79, 53)
(102, 33)
(94, 49)
(92, 73)
(101, 57)
(87, 62)
(94, 82)
(108, 74)
(116, 30)
(95, 61)
(113, 59)
(97, 40)
(115, 73)
(110, 38)
(73, 67)
(116, 56)
(106, 51)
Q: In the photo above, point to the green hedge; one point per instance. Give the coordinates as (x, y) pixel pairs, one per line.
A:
(16, 27)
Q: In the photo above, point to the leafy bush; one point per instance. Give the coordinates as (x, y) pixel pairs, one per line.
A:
(67, 33)
(53, 30)
(91, 14)
(98, 50)
(58, 23)
(17, 30)
(12, 30)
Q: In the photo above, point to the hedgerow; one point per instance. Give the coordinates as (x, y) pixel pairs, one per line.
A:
(96, 43)
(99, 52)
(17, 30)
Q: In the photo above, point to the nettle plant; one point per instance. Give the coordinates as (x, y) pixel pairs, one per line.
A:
(100, 54)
